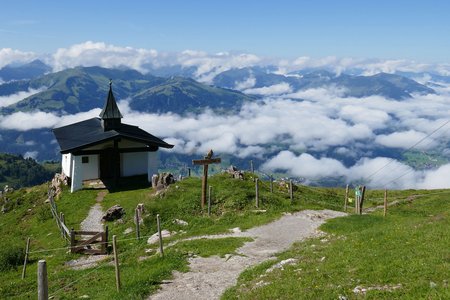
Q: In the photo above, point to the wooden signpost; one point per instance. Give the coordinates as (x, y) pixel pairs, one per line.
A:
(205, 163)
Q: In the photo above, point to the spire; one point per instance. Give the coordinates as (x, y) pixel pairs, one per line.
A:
(110, 113)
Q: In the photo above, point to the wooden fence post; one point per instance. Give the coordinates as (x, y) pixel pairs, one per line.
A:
(42, 280)
(291, 191)
(209, 200)
(138, 229)
(158, 222)
(346, 198)
(363, 193)
(257, 193)
(271, 183)
(26, 258)
(251, 167)
(189, 172)
(116, 263)
(72, 241)
(385, 203)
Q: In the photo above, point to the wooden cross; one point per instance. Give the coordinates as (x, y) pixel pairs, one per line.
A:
(205, 163)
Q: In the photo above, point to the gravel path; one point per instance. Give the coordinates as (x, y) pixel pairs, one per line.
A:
(209, 277)
(93, 221)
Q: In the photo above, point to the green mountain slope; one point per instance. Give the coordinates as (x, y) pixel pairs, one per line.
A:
(82, 89)
(17, 172)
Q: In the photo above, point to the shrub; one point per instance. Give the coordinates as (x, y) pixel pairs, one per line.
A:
(11, 256)
(44, 213)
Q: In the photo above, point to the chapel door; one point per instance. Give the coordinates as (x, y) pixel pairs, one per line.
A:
(106, 164)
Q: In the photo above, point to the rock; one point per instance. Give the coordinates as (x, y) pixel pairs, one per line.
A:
(155, 180)
(281, 264)
(163, 180)
(235, 230)
(235, 173)
(113, 213)
(155, 239)
(180, 222)
(128, 230)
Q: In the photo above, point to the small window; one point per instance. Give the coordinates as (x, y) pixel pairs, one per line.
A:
(85, 159)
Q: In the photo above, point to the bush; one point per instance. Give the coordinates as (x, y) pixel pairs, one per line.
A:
(11, 256)
(44, 213)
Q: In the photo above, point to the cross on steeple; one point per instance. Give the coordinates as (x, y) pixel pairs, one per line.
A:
(110, 113)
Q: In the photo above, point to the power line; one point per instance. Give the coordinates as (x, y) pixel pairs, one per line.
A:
(410, 148)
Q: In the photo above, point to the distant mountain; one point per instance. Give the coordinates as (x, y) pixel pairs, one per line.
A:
(182, 95)
(82, 89)
(387, 85)
(30, 70)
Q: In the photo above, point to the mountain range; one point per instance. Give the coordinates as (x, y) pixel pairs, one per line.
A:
(172, 90)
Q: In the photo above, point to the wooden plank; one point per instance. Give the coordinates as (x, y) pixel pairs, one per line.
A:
(92, 240)
(206, 161)
(80, 232)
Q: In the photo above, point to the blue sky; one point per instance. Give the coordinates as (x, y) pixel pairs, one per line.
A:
(415, 30)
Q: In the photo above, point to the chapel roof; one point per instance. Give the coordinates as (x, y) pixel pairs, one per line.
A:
(90, 132)
(110, 110)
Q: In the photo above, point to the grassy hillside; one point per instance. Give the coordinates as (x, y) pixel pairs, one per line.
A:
(402, 256)
(142, 270)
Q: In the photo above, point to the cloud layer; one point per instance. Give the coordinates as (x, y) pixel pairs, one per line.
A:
(207, 65)
(294, 132)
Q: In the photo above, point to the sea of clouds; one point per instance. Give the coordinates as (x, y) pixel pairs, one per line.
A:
(288, 129)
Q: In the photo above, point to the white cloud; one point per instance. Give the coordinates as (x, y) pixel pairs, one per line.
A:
(436, 179)
(245, 84)
(8, 56)
(402, 139)
(31, 154)
(276, 89)
(11, 99)
(305, 165)
(101, 54)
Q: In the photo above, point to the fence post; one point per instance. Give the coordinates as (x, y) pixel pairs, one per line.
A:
(362, 199)
(116, 264)
(271, 183)
(72, 241)
(257, 192)
(251, 167)
(138, 229)
(26, 258)
(158, 222)
(209, 200)
(346, 198)
(105, 242)
(42, 280)
(291, 191)
(385, 203)
(189, 172)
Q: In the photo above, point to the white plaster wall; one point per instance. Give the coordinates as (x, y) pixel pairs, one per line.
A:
(77, 174)
(66, 164)
(91, 169)
(153, 163)
(133, 164)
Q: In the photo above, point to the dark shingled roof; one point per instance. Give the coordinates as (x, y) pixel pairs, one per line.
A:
(110, 110)
(90, 132)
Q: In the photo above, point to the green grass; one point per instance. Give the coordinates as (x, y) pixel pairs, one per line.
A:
(208, 247)
(410, 247)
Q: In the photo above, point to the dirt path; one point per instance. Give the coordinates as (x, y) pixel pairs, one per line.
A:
(209, 277)
(93, 221)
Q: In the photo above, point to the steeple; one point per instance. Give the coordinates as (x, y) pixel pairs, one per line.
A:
(110, 114)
